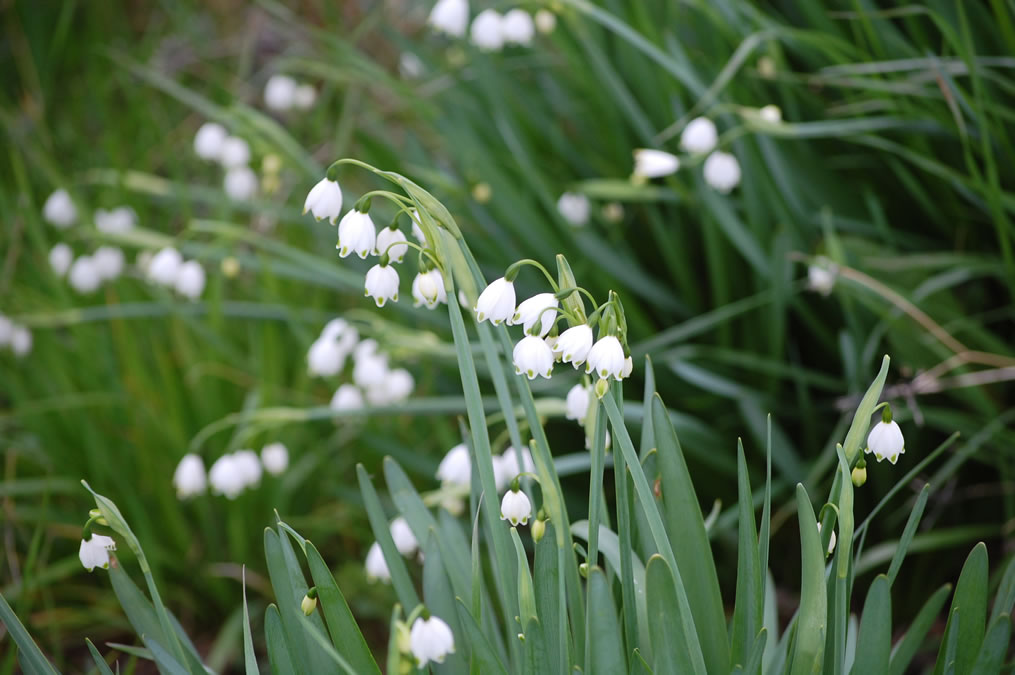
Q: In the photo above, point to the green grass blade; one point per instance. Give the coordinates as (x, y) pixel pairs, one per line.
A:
(857, 434)
(1004, 601)
(908, 534)
(809, 642)
(971, 598)
(100, 662)
(994, 648)
(166, 662)
(915, 635)
(249, 658)
(278, 648)
(874, 643)
(480, 649)
(439, 598)
(31, 657)
(765, 533)
(605, 637)
(546, 579)
(747, 619)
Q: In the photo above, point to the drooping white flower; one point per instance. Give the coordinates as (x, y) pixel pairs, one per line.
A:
(248, 464)
(650, 163)
(376, 566)
(235, 152)
(60, 258)
(456, 467)
(540, 307)
(356, 234)
(886, 442)
(343, 331)
(628, 367)
(507, 468)
(410, 66)
(381, 284)
(515, 507)
(84, 275)
(546, 21)
(450, 17)
(722, 171)
(280, 92)
(401, 533)
(365, 349)
(190, 479)
(389, 241)
(59, 210)
(551, 342)
(21, 340)
(577, 403)
(209, 140)
(821, 279)
(325, 357)
(417, 230)
(347, 397)
(496, 302)
(190, 280)
(831, 540)
(305, 96)
(165, 266)
(486, 31)
(240, 183)
(574, 344)
(606, 358)
(94, 552)
(115, 221)
(275, 458)
(771, 114)
(699, 136)
(398, 385)
(431, 640)
(533, 357)
(109, 262)
(370, 370)
(227, 476)
(574, 208)
(517, 27)
(324, 200)
(428, 289)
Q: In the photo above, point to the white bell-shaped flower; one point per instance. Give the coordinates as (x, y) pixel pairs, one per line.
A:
(507, 469)
(370, 371)
(324, 200)
(577, 403)
(209, 139)
(533, 357)
(517, 27)
(59, 210)
(401, 533)
(628, 367)
(21, 340)
(165, 266)
(365, 349)
(486, 32)
(821, 279)
(456, 467)
(325, 357)
(389, 240)
(574, 208)
(84, 275)
(227, 476)
(60, 258)
(431, 640)
(650, 163)
(885, 441)
(115, 221)
(515, 507)
(275, 458)
(343, 332)
(540, 307)
(347, 397)
(235, 152)
(280, 92)
(428, 289)
(771, 114)
(356, 234)
(190, 280)
(398, 385)
(94, 552)
(699, 136)
(574, 344)
(240, 183)
(249, 465)
(606, 358)
(376, 566)
(381, 284)
(190, 479)
(496, 302)
(109, 261)
(831, 540)
(722, 171)
(305, 97)
(546, 21)
(450, 17)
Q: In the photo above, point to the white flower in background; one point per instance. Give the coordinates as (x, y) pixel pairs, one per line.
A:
(381, 284)
(628, 367)
(356, 234)
(821, 278)
(376, 566)
(190, 479)
(496, 302)
(546, 21)
(410, 66)
(365, 349)
(831, 540)
(606, 358)
(517, 27)
(371, 369)
(190, 280)
(533, 357)
(450, 17)
(324, 200)
(574, 208)
(235, 152)
(885, 441)
(325, 357)
(405, 540)
(115, 221)
(342, 331)
(109, 262)
(21, 340)
(722, 171)
(389, 240)
(94, 552)
(431, 640)
(60, 258)
(84, 275)
(428, 289)
(577, 403)
(59, 210)
(771, 114)
(486, 31)
(613, 212)
(248, 464)
(540, 307)
(280, 92)
(398, 385)
(650, 163)
(699, 136)
(347, 397)
(165, 266)
(606, 441)
(417, 230)
(515, 507)
(574, 344)
(227, 477)
(305, 96)
(275, 458)
(209, 140)
(240, 183)
(456, 467)
(506, 468)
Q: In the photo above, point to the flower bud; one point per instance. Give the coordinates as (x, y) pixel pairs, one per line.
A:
(859, 474)
(309, 603)
(538, 529)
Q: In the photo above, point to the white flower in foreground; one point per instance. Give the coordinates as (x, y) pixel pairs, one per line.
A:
(209, 139)
(275, 458)
(324, 200)
(517, 27)
(771, 114)
(305, 96)
(190, 280)
(59, 210)
(886, 442)
(280, 92)
(240, 183)
(515, 507)
(109, 262)
(84, 275)
(115, 221)
(606, 358)
(376, 566)
(428, 289)
(390, 240)
(356, 234)
(831, 540)
(248, 464)
(60, 258)
(401, 533)
(164, 266)
(347, 397)
(21, 340)
(650, 163)
(370, 371)
(722, 171)
(381, 284)
(94, 552)
(496, 302)
(456, 467)
(486, 32)
(450, 17)
(431, 640)
(574, 344)
(533, 357)
(574, 208)
(699, 136)
(821, 279)
(190, 479)
(546, 21)
(628, 367)
(540, 307)
(325, 357)
(227, 477)
(235, 152)
(577, 403)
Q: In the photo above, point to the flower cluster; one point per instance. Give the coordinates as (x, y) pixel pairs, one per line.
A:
(167, 268)
(231, 473)
(213, 143)
(282, 93)
(106, 263)
(15, 337)
(490, 30)
(700, 137)
(405, 542)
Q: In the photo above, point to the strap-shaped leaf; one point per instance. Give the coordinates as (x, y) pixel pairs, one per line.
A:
(874, 642)
(809, 645)
(605, 638)
(747, 619)
(32, 659)
(971, 599)
(910, 643)
(667, 628)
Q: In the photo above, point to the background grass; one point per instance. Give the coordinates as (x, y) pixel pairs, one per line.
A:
(894, 161)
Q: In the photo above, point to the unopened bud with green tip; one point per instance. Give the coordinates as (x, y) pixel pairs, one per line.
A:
(583, 570)
(859, 474)
(539, 526)
(309, 603)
